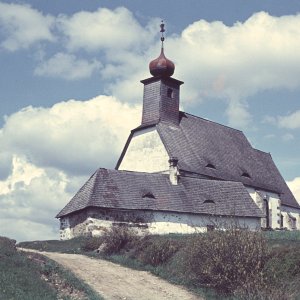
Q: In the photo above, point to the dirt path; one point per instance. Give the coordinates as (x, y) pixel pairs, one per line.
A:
(115, 282)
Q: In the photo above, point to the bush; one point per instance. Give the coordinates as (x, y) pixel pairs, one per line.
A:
(7, 246)
(226, 260)
(91, 243)
(118, 238)
(155, 250)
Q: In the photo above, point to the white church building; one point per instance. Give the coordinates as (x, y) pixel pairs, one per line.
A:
(180, 173)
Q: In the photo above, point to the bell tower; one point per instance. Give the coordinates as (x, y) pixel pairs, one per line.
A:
(161, 91)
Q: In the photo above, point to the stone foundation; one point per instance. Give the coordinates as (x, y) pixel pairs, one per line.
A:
(95, 221)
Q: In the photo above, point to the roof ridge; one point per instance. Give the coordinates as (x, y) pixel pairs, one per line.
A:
(226, 126)
(264, 152)
(128, 171)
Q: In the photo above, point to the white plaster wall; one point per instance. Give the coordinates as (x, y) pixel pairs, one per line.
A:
(275, 210)
(286, 219)
(145, 153)
(274, 206)
(168, 222)
(65, 231)
(161, 223)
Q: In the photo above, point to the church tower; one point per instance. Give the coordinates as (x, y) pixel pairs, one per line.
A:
(161, 91)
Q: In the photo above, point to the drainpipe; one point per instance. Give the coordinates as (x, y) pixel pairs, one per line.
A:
(173, 170)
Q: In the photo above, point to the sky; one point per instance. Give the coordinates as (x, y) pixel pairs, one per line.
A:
(70, 88)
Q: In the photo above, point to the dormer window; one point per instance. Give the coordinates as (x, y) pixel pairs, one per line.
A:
(209, 201)
(148, 195)
(245, 174)
(169, 93)
(211, 166)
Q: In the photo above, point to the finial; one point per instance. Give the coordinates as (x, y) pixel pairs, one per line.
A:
(161, 66)
(162, 30)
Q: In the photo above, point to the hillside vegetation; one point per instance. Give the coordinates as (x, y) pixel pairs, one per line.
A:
(233, 264)
(28, 276)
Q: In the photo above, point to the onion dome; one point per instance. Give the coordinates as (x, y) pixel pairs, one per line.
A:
(161, 66)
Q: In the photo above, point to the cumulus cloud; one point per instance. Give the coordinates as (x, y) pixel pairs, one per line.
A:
(67, 66)
(229, 63)
(291, 121)
(234, 62)
(30, 198)
(104, 29)
(73, 136)
(52, 153)
(294, 186)
(23, 26)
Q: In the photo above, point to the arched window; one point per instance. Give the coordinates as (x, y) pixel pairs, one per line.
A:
(148, 195)
(245, 174)
(211, 166)
(209, 201)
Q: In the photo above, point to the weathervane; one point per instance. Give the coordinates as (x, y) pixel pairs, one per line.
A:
(162, 30)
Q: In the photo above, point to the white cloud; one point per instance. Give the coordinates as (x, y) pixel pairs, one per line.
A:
(74, 136)
(229, 63)
(27, 230)
(67, 66)
(23, 26)
(53, 152)
(294, 186)
(104, 29)
(237, 113)
(215, 61)
(234, 62)
(291, 121)
(30, 198)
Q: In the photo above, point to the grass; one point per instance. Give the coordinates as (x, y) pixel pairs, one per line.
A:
(217, 265)
(31, 276)
(283, 238)
(70, 246)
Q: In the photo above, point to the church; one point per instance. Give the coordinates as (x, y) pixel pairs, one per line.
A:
(180, 173)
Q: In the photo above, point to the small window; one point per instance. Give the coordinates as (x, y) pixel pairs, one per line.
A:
(170, 93)
(211, 166)
(209, 201)
(245, 174)
(148, 195)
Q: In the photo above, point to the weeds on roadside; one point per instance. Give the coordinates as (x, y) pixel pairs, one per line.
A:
(225, 260)
(234, 262)
(32, 276)
(155, 251)
(240, 264)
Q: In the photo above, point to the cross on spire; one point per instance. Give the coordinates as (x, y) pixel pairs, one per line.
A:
(162, 30)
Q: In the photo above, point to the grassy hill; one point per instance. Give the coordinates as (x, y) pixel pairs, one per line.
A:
(28, 276)
(217, 265)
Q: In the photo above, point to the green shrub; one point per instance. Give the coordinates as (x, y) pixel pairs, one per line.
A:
(282, 273)
(226, 260)
(118, 238)
(155, 251)
(7, 246)
(91, 243)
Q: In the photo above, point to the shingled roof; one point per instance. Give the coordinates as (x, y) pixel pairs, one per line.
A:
(145, 191)
(208, 148)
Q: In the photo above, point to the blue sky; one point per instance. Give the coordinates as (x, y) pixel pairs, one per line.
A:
(70, 90)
